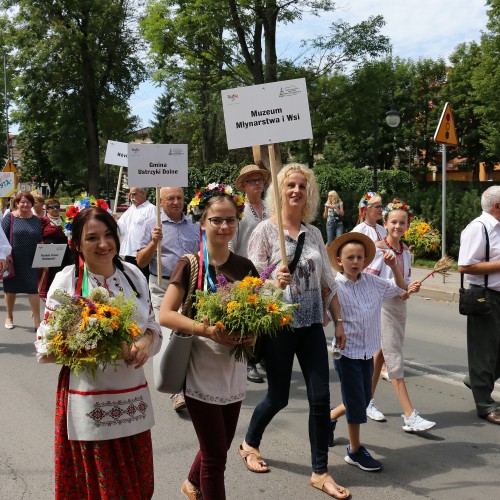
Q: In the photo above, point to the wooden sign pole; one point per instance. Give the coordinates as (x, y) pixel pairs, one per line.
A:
(158, 248)
(277, 201)
(118, 186)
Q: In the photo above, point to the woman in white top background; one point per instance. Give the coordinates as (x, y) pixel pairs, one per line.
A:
(252, 181)
(370, 211)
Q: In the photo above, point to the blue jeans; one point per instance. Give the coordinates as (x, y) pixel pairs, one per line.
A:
(333, 231)
(309, 344)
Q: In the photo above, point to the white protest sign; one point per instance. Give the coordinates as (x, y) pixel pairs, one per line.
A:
(49, 255)
(7, 184)
(157, 165)
(267, 113)
(116, 154)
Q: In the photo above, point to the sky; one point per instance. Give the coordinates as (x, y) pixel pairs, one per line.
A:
(416, 28)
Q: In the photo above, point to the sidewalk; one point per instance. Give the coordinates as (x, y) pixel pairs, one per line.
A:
(434, 288)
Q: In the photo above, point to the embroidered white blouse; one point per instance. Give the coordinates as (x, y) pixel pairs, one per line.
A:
(376, 232)
(312, 274)
(117, 403)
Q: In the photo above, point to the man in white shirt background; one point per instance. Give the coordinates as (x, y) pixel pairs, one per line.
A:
(131, 225)
(479, 260)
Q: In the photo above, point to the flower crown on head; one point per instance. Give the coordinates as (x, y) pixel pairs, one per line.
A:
(202, 195)
(398, 204)
(363, 203)
(80, 204)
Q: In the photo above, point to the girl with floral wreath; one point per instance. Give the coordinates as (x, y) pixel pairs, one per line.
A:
(397, 216)
(215, 382)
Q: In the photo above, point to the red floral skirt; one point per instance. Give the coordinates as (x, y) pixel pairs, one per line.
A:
(113, 469)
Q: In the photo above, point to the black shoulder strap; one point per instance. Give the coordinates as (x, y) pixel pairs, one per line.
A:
(298, 252)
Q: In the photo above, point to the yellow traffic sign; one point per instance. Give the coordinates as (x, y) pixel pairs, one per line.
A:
(445, 132)
(10, 167)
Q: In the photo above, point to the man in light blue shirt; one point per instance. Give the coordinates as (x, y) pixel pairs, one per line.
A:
(178, 236)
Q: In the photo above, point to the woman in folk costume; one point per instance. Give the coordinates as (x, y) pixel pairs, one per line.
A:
(103, 425)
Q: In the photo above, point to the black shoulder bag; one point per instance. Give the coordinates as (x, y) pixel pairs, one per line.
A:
(258, 349)
(474, 301)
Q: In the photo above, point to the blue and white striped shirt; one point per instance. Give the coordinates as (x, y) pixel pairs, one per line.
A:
(360, 305)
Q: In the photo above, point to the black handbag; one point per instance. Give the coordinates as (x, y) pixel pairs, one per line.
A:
(474, 301)
(259, 347)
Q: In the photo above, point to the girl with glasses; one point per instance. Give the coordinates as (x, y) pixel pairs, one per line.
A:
(215, 382)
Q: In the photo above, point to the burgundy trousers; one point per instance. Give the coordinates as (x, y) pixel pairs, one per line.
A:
(215, 426)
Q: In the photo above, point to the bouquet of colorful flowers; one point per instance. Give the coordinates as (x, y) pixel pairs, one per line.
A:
(85, 332)
(250, 307)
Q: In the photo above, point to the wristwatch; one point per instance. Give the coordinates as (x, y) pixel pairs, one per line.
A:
(339, 320)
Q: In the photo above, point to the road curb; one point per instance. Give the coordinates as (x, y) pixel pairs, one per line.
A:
(432, 293)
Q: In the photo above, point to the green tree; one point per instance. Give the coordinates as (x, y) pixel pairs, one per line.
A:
(81, 58)
(459, 91)
(486, 82)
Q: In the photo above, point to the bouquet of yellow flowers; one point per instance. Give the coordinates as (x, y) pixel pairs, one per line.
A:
(425, 238)
(250, 307)
(85, 332)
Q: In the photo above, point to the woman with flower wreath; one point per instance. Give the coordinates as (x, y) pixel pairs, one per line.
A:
(103, 423)
(311, 285)
(215, 382)
(53, 232)
(370, 211)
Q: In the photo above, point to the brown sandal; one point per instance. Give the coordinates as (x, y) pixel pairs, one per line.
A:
(320, 485)
(191, 494)
(244, 454)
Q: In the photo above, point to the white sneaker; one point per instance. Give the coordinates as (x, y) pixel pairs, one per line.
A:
(374, 413)
(415, 423)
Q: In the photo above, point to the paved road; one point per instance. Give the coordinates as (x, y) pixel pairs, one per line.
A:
(459, 458)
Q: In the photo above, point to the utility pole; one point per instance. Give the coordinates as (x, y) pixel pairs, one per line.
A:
(6, 103)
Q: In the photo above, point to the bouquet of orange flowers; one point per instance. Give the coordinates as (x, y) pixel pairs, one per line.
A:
(85, 332)
(250, 307)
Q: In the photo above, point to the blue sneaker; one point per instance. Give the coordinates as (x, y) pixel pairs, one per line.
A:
(362, 459)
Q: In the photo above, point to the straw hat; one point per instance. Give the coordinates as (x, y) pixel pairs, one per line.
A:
(248, 171)
(334, 247)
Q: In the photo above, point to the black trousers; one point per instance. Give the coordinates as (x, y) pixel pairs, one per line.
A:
(144, 270)
(483, 353)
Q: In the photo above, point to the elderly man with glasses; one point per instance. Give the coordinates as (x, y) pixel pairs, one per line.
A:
(178, 236)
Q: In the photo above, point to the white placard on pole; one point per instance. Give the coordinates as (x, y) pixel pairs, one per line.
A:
(7, 184)
(158, 165)
(49, 255)
(117, 154)
(267, 113)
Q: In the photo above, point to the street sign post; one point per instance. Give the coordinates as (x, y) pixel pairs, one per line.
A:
(445, 135)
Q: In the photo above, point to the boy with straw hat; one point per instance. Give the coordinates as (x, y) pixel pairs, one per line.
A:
(360, 295)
